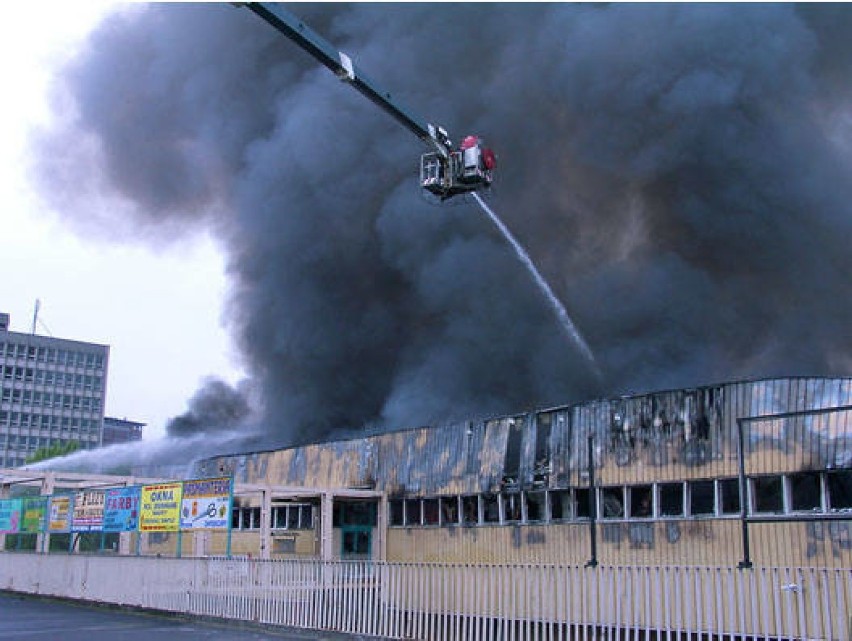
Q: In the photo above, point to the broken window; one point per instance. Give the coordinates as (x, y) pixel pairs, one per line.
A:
(582, 504)
(536, 506)
(641, 503)
(511, 463)
(430, 512)
(491, 508)
(412, 512)
(671, 499)
(449, 510)
(612, 502)
(805, 491)
(397, 513)
(840, 489)
(560, 505)
(768, 494)
(541, 467)
(470, 510)
(512, 507)
(702, 498)
(730, 499)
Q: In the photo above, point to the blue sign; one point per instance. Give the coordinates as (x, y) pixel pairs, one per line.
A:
(121, 510)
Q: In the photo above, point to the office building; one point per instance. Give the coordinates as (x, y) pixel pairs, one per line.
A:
(120, 430)
(53, 393)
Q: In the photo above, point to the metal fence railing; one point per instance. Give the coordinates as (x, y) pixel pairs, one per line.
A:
(461, 602)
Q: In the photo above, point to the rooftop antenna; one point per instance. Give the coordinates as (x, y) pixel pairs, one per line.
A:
(38, 321)
(35, 314)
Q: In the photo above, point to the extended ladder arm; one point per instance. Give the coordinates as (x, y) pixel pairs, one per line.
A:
(345, 69)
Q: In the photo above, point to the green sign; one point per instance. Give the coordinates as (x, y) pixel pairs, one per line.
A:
(33, 511)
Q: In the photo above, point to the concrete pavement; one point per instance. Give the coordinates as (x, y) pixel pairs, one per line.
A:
(25, 618)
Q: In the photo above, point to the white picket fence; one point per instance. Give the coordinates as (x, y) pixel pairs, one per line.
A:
(460, 602)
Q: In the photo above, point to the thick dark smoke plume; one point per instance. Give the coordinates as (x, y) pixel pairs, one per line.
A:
(215, 407)
(680, 173)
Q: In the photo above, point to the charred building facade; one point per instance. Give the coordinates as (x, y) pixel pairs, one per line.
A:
(666, 477)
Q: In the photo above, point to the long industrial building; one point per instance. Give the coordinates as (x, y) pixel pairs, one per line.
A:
(674, 478)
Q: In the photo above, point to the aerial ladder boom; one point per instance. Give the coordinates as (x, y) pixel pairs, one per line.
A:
(444, 172)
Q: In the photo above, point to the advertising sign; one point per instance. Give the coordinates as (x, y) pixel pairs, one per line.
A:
(121, 510)
(59, 514)
(205, 504)
(10, 515)
(32, 514)
(160, 507)
(88, 515)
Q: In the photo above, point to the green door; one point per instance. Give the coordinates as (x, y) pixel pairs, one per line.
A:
(356, 521)
(357, 542)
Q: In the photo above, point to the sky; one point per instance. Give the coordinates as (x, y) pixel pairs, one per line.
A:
(158, 310)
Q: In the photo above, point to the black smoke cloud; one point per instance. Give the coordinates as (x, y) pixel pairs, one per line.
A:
(216, 407)
(679, 172)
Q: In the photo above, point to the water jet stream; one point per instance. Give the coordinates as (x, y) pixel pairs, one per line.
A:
(562, 316)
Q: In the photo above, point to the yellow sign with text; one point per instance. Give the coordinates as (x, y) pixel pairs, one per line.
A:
(160, 507)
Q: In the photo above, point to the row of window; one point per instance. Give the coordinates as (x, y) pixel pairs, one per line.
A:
(43, 421)
(50, 399)
(293, 516)
(43, 440)
(51, 378)
(69, 358)
(776, 494)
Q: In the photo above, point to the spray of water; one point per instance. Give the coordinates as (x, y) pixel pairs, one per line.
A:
(559, 309)
(170, 456)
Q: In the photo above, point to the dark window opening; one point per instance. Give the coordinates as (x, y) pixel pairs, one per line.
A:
(512, 507)
(641, 503)
(356, 513)
(412, 512)
(582, 504)
(840, 489)
(397, 512)
(560, 505)
(543, 423)
(730, 490)
(702, 498)
(306, 520)
(430, 512)
(768, 494)
(470, 510)
(512, 462)
(536, 506)
(279, 517)
(449, 510)
(805, 492)
(671, 499)
(491, 508)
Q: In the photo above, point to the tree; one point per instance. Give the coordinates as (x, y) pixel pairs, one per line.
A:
(53, 451)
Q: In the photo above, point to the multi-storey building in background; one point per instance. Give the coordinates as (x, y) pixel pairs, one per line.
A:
(53, 393)
(120, 430)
